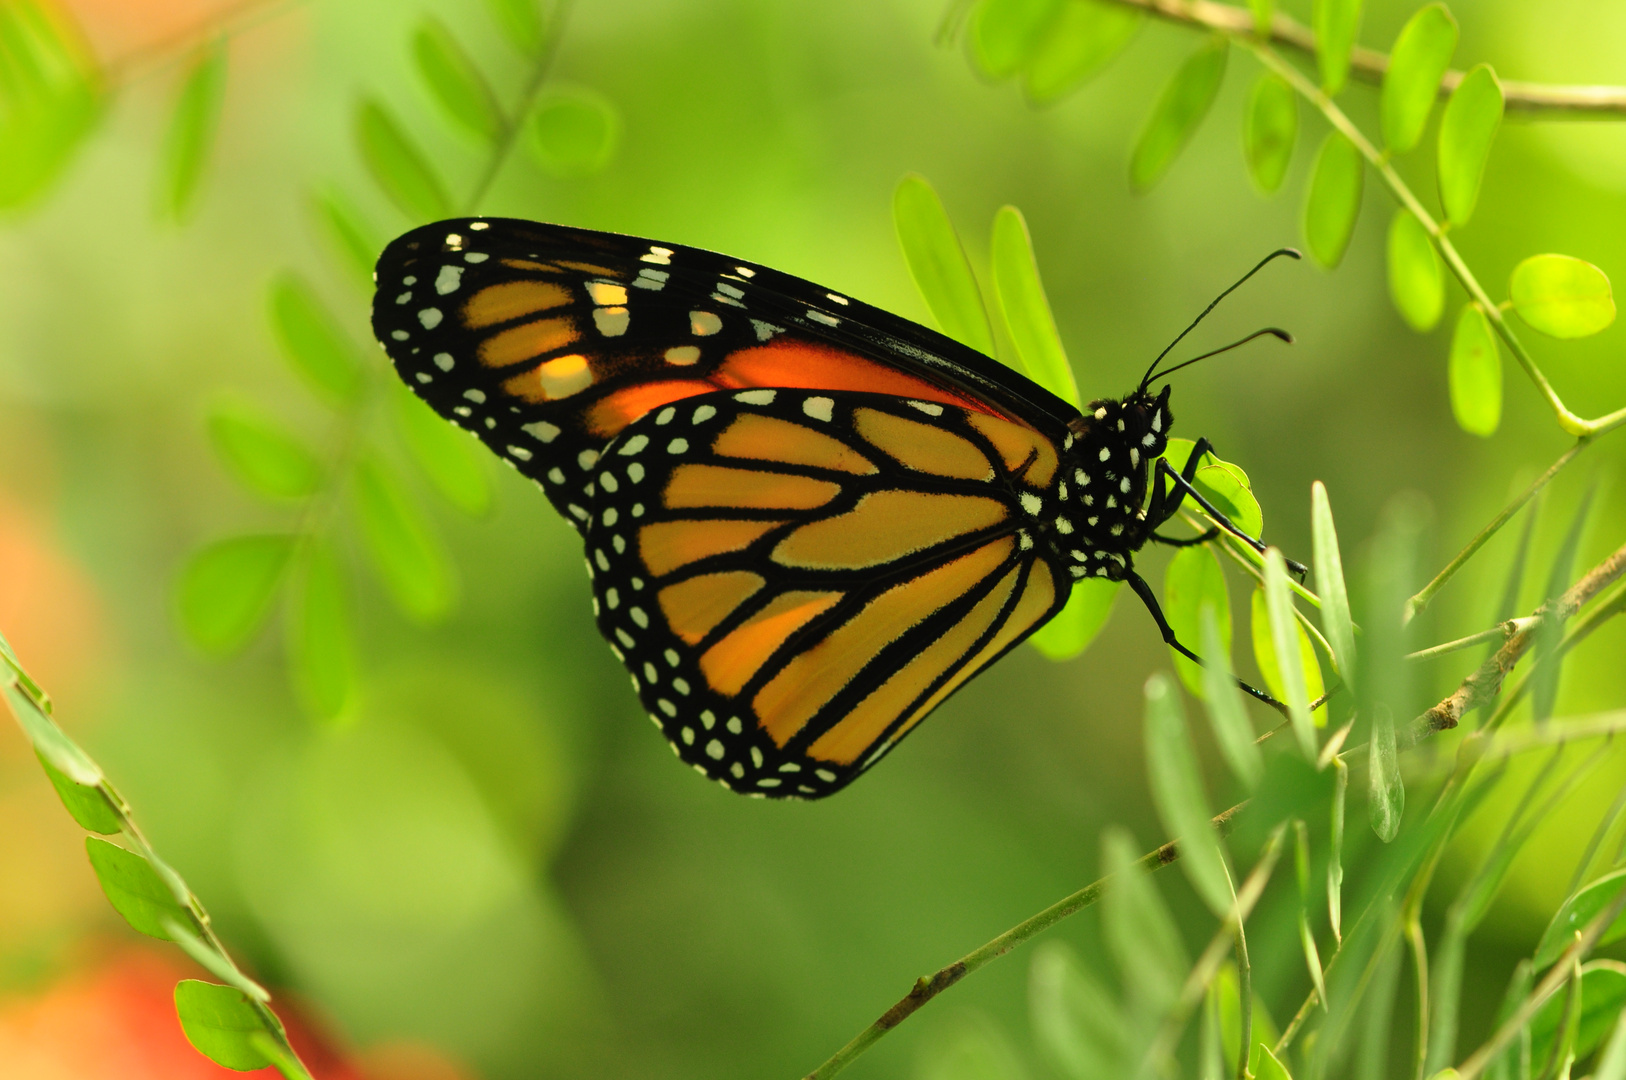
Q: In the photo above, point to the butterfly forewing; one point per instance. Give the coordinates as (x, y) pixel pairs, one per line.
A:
(796, 579)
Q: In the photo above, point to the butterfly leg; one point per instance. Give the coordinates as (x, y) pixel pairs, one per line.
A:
(1183, 487)
(1147, 597)
(1187, 541)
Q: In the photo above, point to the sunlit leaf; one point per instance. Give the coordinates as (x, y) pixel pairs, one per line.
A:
(262, 454)
(51, 97)
(1020, 299)
(225, 589)
(351, 239)
(1293, 683)
(454, 462)
(1227, 999)
(1385, 788)
(1177, 792)
(1268, 1068)
(1084, 37)
(192, 128)
(406, 554)
(1192, 581)
(574, 132)
(1336, 623)
(218, 1021)
(398, 166)
(1004, 34)
(50, 742)
(1077, 1023)
(1076, 625)
(1222, 483)
(1603, 995)
(1475, 373)
(84, 802)
(1467, 129)
(1223, 699)
(134, 888)
(455, 80)
(1139, 931)
(1576, 913)
(311, 338)
(1421, 54)
(938, 263)
(1269, 129)
(1416, 276)
(1178, 113)
(1336, 23)
(1334, 200)
(521, 22)
(1611, 1064)
(321, 655)
(1562, 296)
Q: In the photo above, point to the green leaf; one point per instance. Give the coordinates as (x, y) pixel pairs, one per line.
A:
(1076, 625)
(1334, 200)
(312, 340)
(192, 130)
(51, 97)
(1268, 1068)
(397, 166)
(1506, 1065)
(1475, 373)
(521, 22)
(1264, 11)
(1223, 697)
(1385, 789)
(1193, 581)
(1269, 129)
(225, 589)
(218, 1021)
(85, 802)
(406, 555)
(1004, 34)
(1301, 863)
(1178, 112)
(1084, 37)
(1329, 582)
(1227, 998)
(1467, 130)
(1603, 995)
(455, 82)
(1562, 296)
(1020, 299)
(1336, 24)
(938, 264)
(351, 239)
(454, 462)
(50, 742)
(321, 656)
(1077, 1023)
(1222, 483)
(1416, 276)
(1139, 930)
(1421, 54)
(1574, 915)
(134, 888)
(1177, 791)
(1611, 1064)
(574, 132)
(263, 455)
(1276, 641)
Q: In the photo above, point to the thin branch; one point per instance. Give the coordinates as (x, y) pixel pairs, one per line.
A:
(514, 120)
(1503, 630)
(1369, 65)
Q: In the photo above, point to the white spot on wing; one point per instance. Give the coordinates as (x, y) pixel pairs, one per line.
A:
(449, 278)
(443, 360)
(611, 321)
(755, 397)
(819, 408)
(819, 316)
(430, 317)
(542, 430)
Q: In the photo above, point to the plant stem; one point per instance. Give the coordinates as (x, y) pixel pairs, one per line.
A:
(1500, 630)
(515, 120)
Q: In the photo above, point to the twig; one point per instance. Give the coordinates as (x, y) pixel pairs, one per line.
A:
(512, 121)
(1503, 630)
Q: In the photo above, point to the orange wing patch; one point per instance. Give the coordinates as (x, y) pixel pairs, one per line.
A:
(922, 447)
(803, 365)
(512, 300)
(766, 438)
(1016, 444)
(693, 608)
(527, 341)
(718, 486)
(667, 545)
(885, 526)
(729, 664)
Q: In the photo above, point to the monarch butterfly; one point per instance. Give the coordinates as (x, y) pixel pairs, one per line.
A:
(807, 521)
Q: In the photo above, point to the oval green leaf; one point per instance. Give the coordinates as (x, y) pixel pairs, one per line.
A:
(454, 462)
(521, 22)
(1416, 275)
(1004, 34)
(1562, 296)
(1336, 23)
(397, 166)
(85, 802)
(938, 264)
(455, 82)
(1421, 54)
(192, 128)
(1223, 698)
(1574, 915)
(1329, 582)
(218, 1021)
(225, 589)
(1192, 581)
(1077, 1022)
(574, 132)
(262, 454)
(1467, 130)
(311, 338)
(321, 655)
(405, 553)
(1177, 791)
(1179, 111)
(134, 889)
(1269, 129)
(1020, 299)
(1222, 483)
(1084, 37)
(1076, 625)
(351, 239)
(1603, 995)
(1266, 1067)
(1475, 373)
(1334, 200)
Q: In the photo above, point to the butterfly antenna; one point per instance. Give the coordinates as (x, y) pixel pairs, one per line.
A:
(1271, 331)
(1278, 253)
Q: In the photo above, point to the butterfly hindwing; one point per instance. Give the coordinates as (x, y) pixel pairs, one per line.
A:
(795, 579)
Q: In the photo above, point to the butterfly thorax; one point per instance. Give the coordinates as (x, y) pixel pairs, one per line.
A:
(1101, 490)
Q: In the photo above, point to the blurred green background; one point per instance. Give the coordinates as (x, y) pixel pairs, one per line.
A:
(494, 854)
